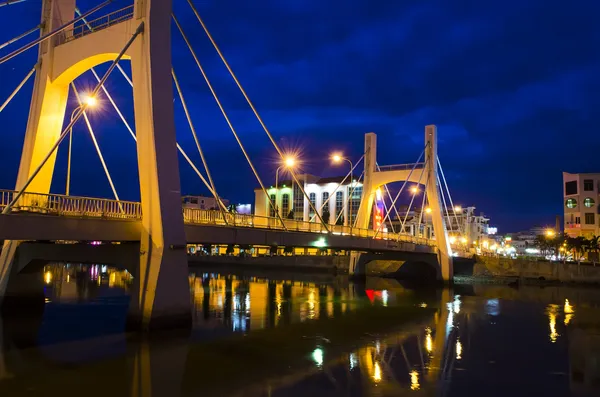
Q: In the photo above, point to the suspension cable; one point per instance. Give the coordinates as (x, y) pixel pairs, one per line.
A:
(118, 66)
(93, 136)
(337, 187)
(422, 208)
(260, 120)
(200, 151)
(53, 33)
(10, 2)
(449, 195)
(402, 189)
(65, 132)
(21, 84)
(19, 37)
(413, 196)
(184, 154)
(351, 190)
(444, 201)
(235, 134)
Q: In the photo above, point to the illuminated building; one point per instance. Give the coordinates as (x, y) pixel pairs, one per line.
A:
(202, 202)
(292, 204)
(580, 204)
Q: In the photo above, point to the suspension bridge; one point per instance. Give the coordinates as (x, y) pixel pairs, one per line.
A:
(71, 43)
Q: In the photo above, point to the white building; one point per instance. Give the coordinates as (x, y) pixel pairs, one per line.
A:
(580, 203)
(337, 204)
(202, 202)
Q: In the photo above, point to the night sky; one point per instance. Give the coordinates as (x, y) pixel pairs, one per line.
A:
(513, 87)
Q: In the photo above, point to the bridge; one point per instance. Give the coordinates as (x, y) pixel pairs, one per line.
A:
(72, 43)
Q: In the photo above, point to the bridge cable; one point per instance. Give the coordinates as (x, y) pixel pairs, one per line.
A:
(78, 115)
(401, 190)
(21, 84)
(235, 134)
(256, 114)
(338, 186)
(52, 34)
(444, 201)
(200, 151)
(449, 196)
(385, 207)
(118, 66)
(93, 136)
(351, 190)
(413, 196)
(10, 2)
(423, 207)
(133, 133)
(19, 37)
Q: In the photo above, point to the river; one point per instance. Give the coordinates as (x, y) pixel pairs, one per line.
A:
(270, 334)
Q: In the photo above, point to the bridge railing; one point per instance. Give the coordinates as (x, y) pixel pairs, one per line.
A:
(401, 167)
(212, 217)
(54, 204)
(82, 28)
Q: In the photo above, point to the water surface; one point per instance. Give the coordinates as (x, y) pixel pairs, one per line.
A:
(303, 335)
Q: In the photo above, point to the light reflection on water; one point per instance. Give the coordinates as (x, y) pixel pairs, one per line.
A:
(482, 340)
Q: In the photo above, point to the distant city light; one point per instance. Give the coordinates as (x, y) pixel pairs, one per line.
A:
(452, 239)
(317, 356)
(414, 190)
(458, 208)
(464, 240)
(550, 233)
(428, 210)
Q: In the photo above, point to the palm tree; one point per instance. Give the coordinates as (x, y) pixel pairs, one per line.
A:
(593, 246)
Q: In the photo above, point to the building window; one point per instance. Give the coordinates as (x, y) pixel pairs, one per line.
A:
(570, 188)
(312, 197)
(339, 207)
(285, 205)
(355, 203)
(577, 220)
(271, 206)
(298, 203)
(588, 202)
(324, 198)
(590, 218)
(571, 203)
(194, 200)
(588, 185)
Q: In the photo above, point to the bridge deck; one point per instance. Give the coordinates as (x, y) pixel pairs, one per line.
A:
(38, 216)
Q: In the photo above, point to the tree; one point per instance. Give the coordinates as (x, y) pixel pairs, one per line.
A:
(593, 246)
(232, 209)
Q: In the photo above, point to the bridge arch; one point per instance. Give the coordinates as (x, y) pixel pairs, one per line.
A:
(427, 174)
(61, 60)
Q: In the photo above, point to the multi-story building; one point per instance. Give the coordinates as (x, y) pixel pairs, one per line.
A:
(337, 203)
(580, 201)
(202, 202)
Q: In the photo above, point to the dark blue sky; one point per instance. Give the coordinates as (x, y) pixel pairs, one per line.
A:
(513, 87)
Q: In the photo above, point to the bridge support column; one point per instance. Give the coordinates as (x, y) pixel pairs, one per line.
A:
(46, 114)
(163, 291)
(433, 197)
(368, 195)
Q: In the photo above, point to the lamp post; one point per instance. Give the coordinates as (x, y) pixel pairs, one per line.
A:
(90, 101)
(337, 158)
(289, 163)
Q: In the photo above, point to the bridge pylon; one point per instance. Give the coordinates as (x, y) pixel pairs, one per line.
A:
(162, 296)
(374, 179)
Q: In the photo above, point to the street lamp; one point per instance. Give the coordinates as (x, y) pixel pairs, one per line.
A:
(550, 233)
(289, 162)
(88, 102)
(414, 189)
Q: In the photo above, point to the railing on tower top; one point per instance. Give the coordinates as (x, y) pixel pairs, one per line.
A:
(82, 28)
(53, 204)
(401, 167)
(61, 205)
